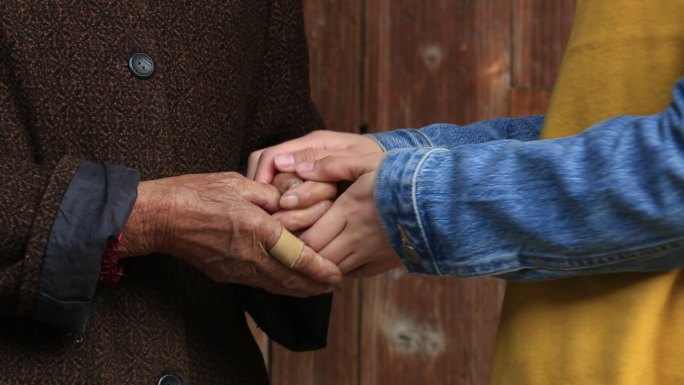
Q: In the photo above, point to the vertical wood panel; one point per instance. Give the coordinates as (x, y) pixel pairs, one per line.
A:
(430, 61)
(334, 36)
(528, 101)
(334, 29)
(541, 30)
(428, 330)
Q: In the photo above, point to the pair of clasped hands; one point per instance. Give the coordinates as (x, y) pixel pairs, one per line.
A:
(347, 230)
(228, 226)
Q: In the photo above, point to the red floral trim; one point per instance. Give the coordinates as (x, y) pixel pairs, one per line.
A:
(110, 270)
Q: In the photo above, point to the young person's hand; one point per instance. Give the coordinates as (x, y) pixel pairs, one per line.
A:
(264, 164)
(350, 233)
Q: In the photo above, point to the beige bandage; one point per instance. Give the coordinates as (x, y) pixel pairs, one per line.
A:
(287, 249)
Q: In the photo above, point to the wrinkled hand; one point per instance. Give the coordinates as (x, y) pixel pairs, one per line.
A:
(220, 224)
(350, 233)
(262, 163)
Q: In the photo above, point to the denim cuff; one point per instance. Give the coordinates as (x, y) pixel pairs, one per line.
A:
(402, 138)
(397, 204)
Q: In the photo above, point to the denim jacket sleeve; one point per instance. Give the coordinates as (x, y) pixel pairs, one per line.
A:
(608, 200)
(449, 135)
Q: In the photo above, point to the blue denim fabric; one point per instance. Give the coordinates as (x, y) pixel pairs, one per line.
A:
(610, 199)
(449, 135)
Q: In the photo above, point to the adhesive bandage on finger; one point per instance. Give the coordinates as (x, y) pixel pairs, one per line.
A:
(287, 249)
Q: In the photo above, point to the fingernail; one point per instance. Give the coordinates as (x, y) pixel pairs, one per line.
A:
(284, 160)
(305, 166)
(289, 201)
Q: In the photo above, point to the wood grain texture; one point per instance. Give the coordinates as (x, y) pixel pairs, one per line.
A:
(334, 29)
(541, 29)
(529, 101)
(444, 61)
(428, 330)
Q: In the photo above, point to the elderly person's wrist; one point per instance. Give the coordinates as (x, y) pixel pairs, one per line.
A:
(144, 232)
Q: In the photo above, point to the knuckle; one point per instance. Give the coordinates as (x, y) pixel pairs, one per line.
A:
(329, 164)
(318, 133)
(306, 155)
(231, 179)
(292, 282)
(292, 222)
(304, 193)
(291, 181)
(254, 156)
(233, 175)
(306, 260)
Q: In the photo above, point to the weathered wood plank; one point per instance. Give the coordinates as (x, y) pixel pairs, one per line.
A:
(541, 30)
(428, 330)
(436, 61)
(334, 29)
(528, 101)
(426, 62)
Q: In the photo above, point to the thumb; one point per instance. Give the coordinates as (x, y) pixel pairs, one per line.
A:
(335, 168)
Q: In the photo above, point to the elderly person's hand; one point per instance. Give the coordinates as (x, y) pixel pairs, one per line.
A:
(220, 224)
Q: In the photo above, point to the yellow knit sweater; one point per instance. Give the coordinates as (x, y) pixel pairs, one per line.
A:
(623, 57)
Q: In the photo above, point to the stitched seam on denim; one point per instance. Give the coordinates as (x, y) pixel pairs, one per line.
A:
(376, 140)
(427, 138)
(415, 208)
(595, 261)
(611, 258)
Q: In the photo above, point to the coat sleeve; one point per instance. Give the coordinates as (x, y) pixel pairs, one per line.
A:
(57, 218)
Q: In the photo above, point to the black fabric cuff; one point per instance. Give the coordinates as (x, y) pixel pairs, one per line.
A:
(299, 324)
(96, 205)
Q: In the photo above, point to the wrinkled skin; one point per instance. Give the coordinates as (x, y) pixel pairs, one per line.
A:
(220, 223)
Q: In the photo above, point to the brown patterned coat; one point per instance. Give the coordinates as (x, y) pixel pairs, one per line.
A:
(231, 77)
